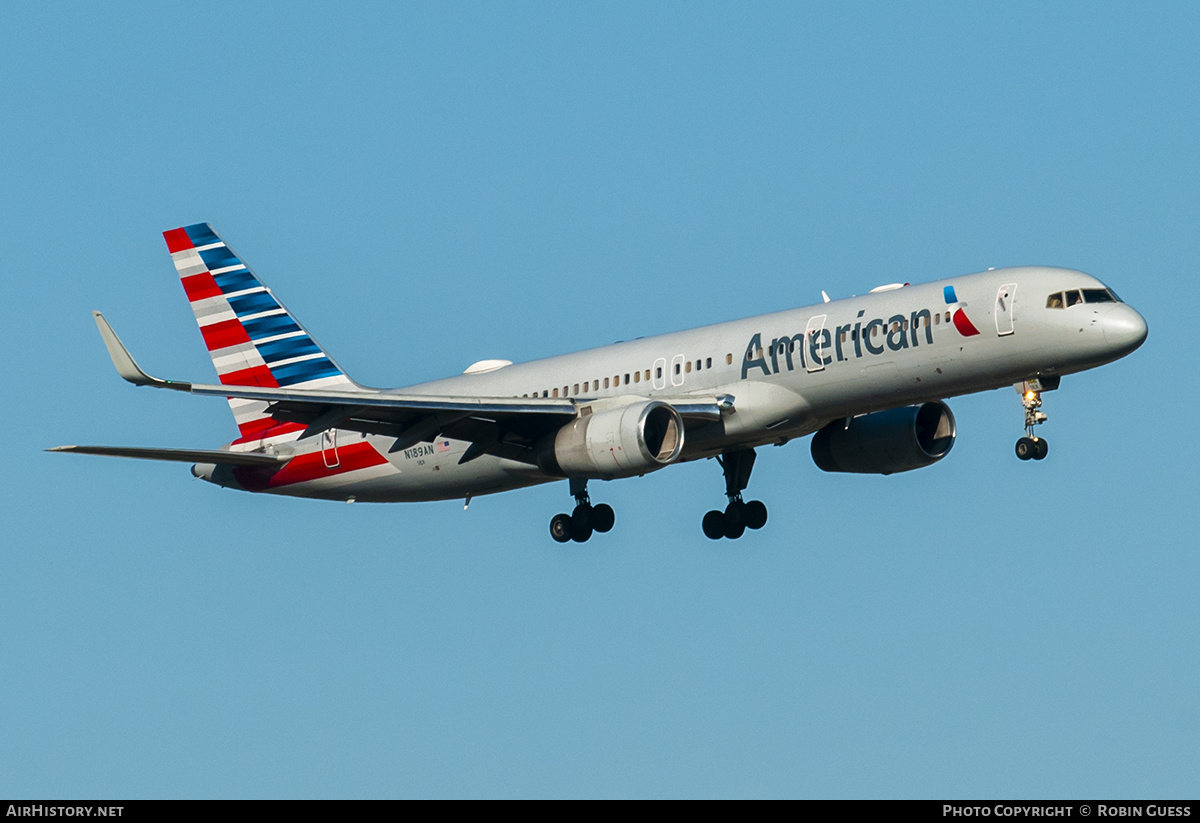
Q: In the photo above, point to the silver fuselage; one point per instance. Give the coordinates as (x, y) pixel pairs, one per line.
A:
(788, 374)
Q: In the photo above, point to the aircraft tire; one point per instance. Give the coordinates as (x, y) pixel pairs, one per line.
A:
(735, 520)
(581, 519)
(603, 518)
(1040, 449)
(560, 528)
(713, 525)
(1025, 448)
(735, 516)
(581, 535)
(756, 514)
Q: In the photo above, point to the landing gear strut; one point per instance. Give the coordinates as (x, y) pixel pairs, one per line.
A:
(738, 515)
(1030, 446)
(585, 519)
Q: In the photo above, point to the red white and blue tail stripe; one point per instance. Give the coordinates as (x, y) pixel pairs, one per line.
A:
(252, 339)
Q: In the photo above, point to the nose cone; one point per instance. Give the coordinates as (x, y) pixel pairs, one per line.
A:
(1124, 329)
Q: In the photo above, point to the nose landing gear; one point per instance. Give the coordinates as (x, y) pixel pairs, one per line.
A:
(584, 519)
(1032, 447)
(738, 515)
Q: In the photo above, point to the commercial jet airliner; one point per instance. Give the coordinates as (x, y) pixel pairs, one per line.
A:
(866, 376)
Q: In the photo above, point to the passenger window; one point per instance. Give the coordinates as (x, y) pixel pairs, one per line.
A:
(729, 360)
(658, 372)
(626, 378)
(1055, 301)
(947, 317)
(637, 377)
(606, 382)
(576, 389)
(556, 392)
(937, 318)
(1073, 298)
(708, 363)
(687, 368)
(648, 373)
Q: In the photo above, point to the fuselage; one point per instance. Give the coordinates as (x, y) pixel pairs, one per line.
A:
(784, 375)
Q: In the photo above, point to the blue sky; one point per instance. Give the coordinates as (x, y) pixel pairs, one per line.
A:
(426, 186)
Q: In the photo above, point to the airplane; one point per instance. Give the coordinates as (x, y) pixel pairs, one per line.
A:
(866, 376)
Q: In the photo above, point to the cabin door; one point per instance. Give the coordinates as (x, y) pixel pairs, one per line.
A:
(1005, 298)
(329, 452)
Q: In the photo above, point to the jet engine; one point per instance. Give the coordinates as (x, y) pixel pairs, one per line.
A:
(628, 440)
(896, 440)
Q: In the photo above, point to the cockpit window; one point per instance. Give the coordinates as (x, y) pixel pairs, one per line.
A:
(1063, 300)
(1098, 296)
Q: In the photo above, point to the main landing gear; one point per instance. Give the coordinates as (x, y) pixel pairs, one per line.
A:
(1031, 447)
(738, 515)
(585, 519)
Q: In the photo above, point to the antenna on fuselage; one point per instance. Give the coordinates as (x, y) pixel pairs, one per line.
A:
(824, 295)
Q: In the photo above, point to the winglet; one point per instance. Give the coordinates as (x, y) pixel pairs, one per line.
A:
(126, 366)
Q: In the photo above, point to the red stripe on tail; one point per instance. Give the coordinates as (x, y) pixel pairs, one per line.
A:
(253, 376)
(177, 240)
(223, 334)
(200, 286)
(263, 427)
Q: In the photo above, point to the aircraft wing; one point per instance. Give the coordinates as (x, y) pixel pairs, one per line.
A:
(503, 426)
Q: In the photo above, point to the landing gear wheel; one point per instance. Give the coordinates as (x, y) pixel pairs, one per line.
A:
(1040, 449)
(581, 520)
(1026, 447)
(560, 527)
(714, 525)
(756, 514)
(735, 520)
(581, 524)
(603, 518)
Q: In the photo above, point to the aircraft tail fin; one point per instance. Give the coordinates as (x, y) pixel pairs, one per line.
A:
(252, 338)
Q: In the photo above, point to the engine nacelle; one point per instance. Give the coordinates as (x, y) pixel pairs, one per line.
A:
(885, 442)
(628, 440)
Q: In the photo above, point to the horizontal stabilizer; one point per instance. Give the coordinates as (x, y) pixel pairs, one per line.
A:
(227, 458)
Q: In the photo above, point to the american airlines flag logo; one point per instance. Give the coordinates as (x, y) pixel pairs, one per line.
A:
(442, 446)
